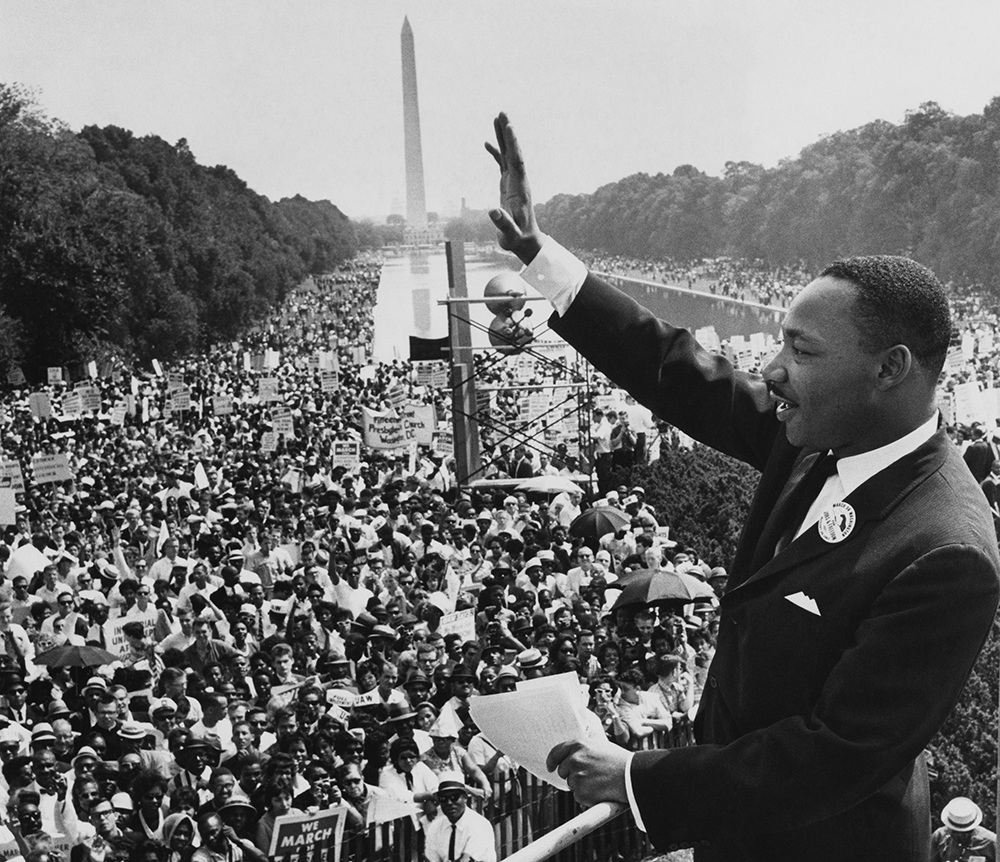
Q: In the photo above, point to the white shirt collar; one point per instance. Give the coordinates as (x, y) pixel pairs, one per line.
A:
(855, 470)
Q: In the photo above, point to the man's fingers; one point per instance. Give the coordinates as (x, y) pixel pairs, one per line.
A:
(558, 754)
(512, 149)
(493, 151)
(509, 231)
(499, 124)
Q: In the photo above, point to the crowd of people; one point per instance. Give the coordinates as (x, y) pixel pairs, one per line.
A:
(208, 621)
(249, 626)
(742, 280)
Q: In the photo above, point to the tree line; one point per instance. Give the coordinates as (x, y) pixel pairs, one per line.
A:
(111, 243)
(927, 187)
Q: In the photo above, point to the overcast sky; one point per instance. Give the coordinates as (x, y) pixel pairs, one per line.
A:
(304, 96)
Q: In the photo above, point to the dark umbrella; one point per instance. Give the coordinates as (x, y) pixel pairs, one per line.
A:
(698, 589)
(651, 586)
(598, 521)
(69, 655)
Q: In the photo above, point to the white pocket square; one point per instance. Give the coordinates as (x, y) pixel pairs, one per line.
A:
(803, 601)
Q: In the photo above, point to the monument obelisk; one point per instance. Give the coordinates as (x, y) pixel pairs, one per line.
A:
(416, 205)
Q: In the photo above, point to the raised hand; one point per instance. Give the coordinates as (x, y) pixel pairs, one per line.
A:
(517, 230)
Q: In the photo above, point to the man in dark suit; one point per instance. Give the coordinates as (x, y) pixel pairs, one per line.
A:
(866, 576)
(979, 455)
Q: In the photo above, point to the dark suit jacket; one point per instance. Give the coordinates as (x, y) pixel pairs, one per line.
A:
(979, 456)
(811, 725)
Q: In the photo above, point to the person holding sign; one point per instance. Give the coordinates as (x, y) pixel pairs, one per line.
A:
(855, 608)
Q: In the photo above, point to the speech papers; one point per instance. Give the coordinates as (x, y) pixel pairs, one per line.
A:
(528, 723)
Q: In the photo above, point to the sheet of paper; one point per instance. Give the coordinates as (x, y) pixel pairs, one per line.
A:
(528, 723)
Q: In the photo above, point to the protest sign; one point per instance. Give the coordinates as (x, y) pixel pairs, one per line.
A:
(346, 453)
(284, 695)
(201, 481)
(222, 405)
(15, 377)
(382, 430)
(40, 406)
(954, 361)
(708, 338)
(432, 373)
(304, 834)
(369, 698)
(268, 441)
(329, 381)
(114, 638)
(462, 623)
(90, 398)
(444, 442)
(8, 506)
(420, 421)
(340, 697)
(55, 375)
(72, 404)
(283, 423)
(25, 561)
(51, 468)
(325, 360)
(396, 394)
(118, 413)
(267, 389)
(11, 476)
(180, 400)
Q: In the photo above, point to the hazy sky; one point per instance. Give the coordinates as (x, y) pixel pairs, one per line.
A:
(304, 96)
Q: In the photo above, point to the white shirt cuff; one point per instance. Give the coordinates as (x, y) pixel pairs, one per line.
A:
(556, 274)
(630, 793)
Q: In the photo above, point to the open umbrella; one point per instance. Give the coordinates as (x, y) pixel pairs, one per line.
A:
(70, 655)
(598, 521)
(700, 591)
(651, 586)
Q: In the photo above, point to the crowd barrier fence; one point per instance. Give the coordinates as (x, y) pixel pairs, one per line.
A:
(522, 809)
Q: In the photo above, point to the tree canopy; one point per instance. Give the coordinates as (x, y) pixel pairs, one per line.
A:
(927, 187)
(111, 242)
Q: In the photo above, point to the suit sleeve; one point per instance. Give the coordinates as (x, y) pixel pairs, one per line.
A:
(879, 707)
(665, 369)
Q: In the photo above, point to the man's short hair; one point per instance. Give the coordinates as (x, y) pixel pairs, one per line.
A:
(899, 301)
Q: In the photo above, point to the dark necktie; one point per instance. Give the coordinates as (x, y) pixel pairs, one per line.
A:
(409, 780)
(451, 843)
(805, 495)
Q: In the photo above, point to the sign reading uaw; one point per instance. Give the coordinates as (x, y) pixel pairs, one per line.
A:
(299, 835)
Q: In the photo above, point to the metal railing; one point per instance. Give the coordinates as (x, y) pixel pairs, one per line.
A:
(532, 822)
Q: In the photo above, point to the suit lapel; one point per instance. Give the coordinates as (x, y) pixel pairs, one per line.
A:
(777, 521)
(871, 501)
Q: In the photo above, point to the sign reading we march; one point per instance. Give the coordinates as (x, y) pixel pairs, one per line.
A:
(300, 834)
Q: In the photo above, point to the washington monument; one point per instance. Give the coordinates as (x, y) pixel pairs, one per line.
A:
(416, 206)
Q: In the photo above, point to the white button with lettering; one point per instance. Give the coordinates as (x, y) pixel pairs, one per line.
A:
(836, 522)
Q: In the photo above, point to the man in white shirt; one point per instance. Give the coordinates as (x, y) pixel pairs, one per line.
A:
(461, 834)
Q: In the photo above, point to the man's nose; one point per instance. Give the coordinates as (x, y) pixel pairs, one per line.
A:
(774, 371)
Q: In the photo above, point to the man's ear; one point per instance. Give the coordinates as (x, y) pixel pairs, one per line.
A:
(895, 367)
